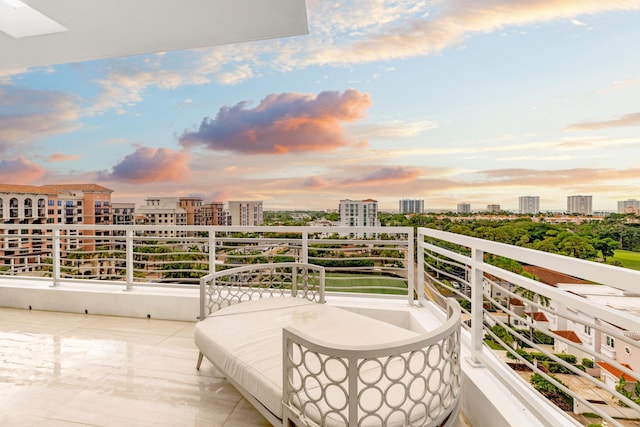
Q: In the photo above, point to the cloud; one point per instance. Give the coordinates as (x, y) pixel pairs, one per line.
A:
(281, 123)
(395, 174)
(20, 171)
(409, 36)
(394, 129)
(315, 182)
(61, 157)
(27, 114)
(631, 119)
(554, 178)
(344, 33)
(147, 165)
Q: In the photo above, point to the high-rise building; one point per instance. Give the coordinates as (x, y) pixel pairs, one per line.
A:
(529, 204)
(359, 213)
(406, 206)
(493, 208)
(628, 206)
(579, 205)
(464, 208)
(246, 213)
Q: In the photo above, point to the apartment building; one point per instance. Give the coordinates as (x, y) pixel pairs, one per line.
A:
(51, 204)
(463, 208)
(406, 206)
(493, 208)
(212, 214)
(163, 212)
(246, 213)
(579, 205)
(529, 205)
(123, 213)
(629, 206)
(359, 213)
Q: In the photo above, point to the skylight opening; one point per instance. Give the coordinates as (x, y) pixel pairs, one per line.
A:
(20, 20)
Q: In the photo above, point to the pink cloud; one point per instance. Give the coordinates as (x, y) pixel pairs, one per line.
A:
(396, 174)
(26, 115)
(315, 182)
(631, 119)
(20, 171)
(281, 123)
(61, 157)
(147, 165)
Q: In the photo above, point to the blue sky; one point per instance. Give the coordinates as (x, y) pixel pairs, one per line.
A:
(448, 101)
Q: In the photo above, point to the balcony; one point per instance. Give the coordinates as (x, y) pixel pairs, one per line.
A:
(87, 366)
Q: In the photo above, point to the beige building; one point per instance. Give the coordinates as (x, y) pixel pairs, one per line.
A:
(163, 212)
(51, 204)
(246, 213)
(212, 214)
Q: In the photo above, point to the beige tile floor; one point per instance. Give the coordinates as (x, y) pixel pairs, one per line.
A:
(61, 369)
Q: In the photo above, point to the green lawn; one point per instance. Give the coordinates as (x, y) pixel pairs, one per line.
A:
(362, 283)
(628, 258)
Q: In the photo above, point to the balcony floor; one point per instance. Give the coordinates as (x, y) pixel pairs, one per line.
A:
(73, 369)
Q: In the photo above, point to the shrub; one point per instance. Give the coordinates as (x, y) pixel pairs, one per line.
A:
(587, 363)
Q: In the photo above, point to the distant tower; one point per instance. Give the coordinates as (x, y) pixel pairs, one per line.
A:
(246, 213)
(579, 205)
(464, 208)
(411, 206)
(359, 213)
(627, 206)
(529, 204)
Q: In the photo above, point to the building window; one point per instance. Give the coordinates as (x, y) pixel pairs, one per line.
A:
(611, 343)
(587, 330)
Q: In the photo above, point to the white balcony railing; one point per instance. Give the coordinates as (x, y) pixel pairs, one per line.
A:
(357, 260)
(445, 258)
(369, 260)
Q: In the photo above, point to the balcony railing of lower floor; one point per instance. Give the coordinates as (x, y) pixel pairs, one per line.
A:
(531, 331)
(373, 275)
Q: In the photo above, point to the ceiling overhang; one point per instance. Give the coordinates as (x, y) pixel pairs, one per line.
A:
(98, 29)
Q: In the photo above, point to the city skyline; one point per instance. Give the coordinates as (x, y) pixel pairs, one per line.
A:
(448, 102)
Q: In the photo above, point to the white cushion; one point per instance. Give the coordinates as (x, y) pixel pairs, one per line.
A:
(245, 340)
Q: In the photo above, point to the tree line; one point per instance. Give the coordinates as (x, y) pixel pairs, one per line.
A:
(592, 239)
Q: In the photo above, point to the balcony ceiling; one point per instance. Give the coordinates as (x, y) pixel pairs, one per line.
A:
(100, 29)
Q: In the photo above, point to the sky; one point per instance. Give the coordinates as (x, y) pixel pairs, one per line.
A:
(449, 101)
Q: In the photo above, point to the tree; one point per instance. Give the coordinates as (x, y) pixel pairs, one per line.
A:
(577, 246)
(607, 246)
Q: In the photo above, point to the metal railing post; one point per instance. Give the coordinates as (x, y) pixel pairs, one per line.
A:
(411, 282)
(305, 247)
(56, 257)
(212, 251)
(420, 261)
(477, 329)
(129, 259)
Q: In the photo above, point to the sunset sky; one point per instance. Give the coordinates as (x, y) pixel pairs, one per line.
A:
(477, 101)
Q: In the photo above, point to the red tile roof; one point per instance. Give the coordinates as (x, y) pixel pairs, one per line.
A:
(570, 335)
(24, 189)
(538, 316)
(79, 187)
(617, 372)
